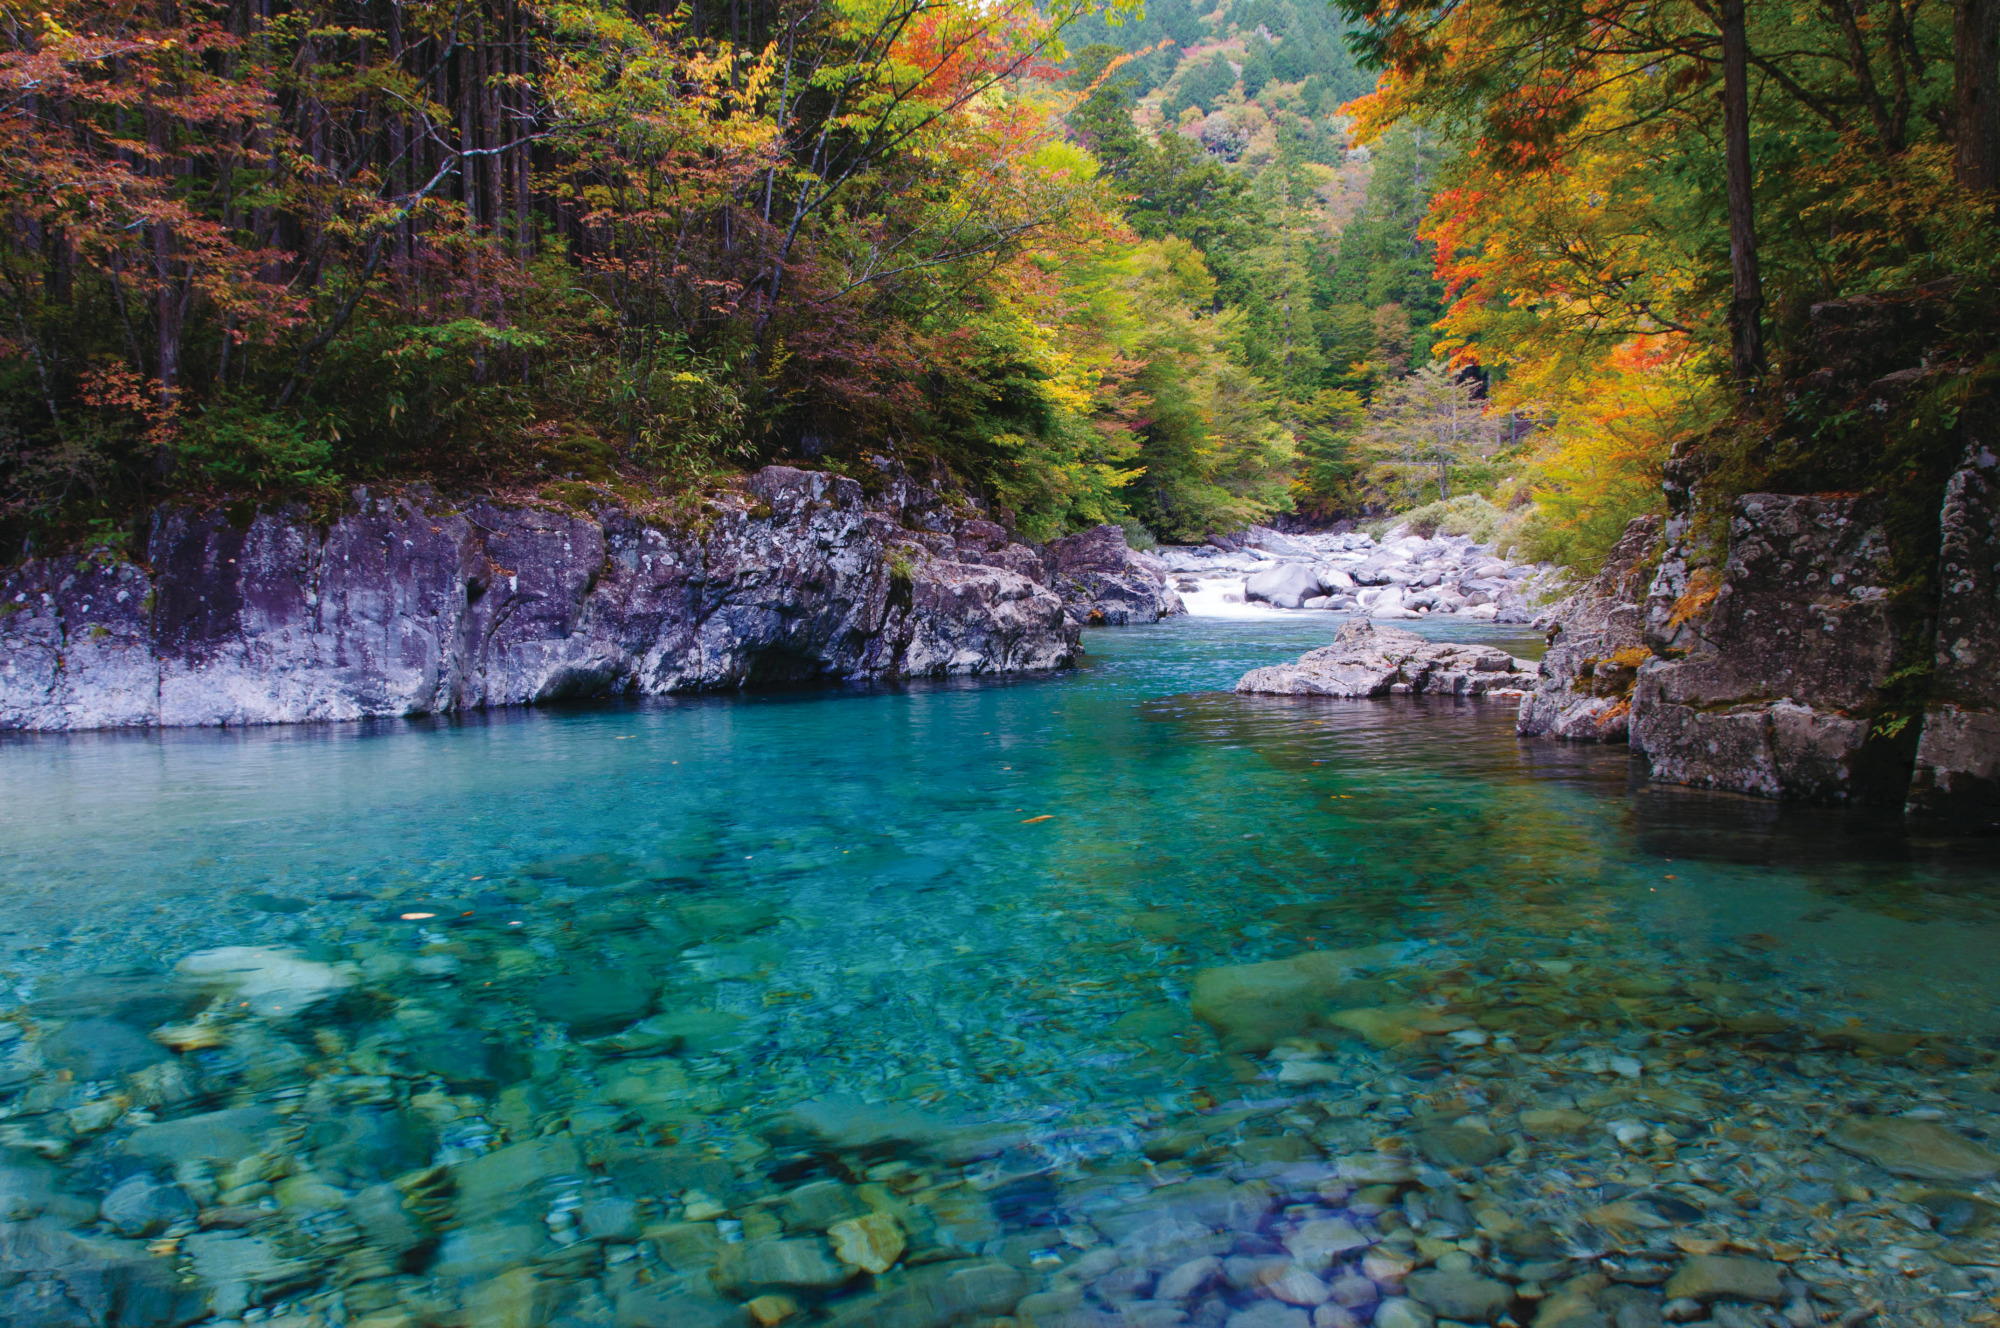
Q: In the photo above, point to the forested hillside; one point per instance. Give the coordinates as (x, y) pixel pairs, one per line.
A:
(1181, 268)
(264, 252)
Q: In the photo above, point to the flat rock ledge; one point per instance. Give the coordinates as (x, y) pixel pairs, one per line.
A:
(408, 606)
(1369, 660)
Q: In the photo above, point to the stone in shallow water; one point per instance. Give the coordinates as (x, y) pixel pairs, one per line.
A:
(1251, 1006)
(1955, 1214)
(1269, 1314)
(55, 1279)
(592, 1003)
(1923, 1149)
(1319, 1244)
(371, 1145)
(482, 1251)
(219, 1136)
(1459, 1294)
(662, 1307)
(142, 1206)
(852, 1124)
(1554, 1123)
(1189, 1278)
(512, 1176)
(935, 1297)
(1395, 1025)
(818, 1205)
(100, 1049)
(873, 1242)
(276, 984)
(232, 1264)
(1460, 1146)
(1707, 1277)
(609, 1218)
(1402, 1312)
(778, 1263)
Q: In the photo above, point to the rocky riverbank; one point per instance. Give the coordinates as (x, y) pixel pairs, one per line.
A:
(1402, 576)
(1775, 670)
(410, 606)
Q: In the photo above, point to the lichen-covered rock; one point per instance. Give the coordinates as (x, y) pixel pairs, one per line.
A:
(404, 607)
(1105, 582)
(1958, 755)
(1787, 653)
(1597, 644)
(1367, 660)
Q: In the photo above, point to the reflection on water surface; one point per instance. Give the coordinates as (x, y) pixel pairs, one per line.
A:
(1114, 998)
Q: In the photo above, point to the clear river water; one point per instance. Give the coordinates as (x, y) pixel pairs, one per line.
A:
(599, 993)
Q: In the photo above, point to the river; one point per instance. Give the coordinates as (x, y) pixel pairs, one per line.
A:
(985, 907)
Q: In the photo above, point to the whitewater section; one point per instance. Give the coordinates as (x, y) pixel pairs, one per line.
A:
(1403, 576)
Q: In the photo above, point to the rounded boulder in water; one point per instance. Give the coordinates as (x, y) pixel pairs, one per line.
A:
(593, 1003)
(139, 1205)
(100, 1049)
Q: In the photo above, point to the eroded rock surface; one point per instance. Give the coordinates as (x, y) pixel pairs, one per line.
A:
(1958, 755)
(405, 607)
(1781, 660)
(1106, 582)
(1596, 646)
(1367, 660)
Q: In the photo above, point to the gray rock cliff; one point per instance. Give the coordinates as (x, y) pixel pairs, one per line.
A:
(1958, 754)
(410, 607)
(1597, 643)
(1106, 582)
(1772, 672)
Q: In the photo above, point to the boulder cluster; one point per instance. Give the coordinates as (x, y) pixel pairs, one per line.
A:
(1403, 576)
(1366, 660)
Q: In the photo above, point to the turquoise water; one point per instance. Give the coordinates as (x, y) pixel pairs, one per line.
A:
(986, 902)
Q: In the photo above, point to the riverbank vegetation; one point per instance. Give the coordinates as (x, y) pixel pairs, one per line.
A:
(1183, 267)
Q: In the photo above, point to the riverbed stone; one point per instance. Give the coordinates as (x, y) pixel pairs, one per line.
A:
(1251, 1006)
(1189, 1278)
(1459, 1294)
(1266, 1314)
(592, 1003)
(1708, 1277)
(778, 1263)
(1402, 1312)
(217, 1136)
(669, 1307)
(274, 983)
(140, 1205)
(1320, 1243)
(1460, 1146)
(100, 1049)
(612, 1217)
(510, 1177)
(872, 1242)
(54, 1279)
(1924, 1149)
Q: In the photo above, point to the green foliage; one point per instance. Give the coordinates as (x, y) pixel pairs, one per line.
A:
(237, 444)
(1468, 514)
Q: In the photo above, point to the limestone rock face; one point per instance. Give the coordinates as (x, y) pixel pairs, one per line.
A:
(1585, 687)
(1107, 583)
(1796, 638)
(1958, 755)
(1367, 660)
(404, 607)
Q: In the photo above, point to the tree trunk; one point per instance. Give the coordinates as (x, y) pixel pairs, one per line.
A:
(1976, 53)
(1746, 305)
